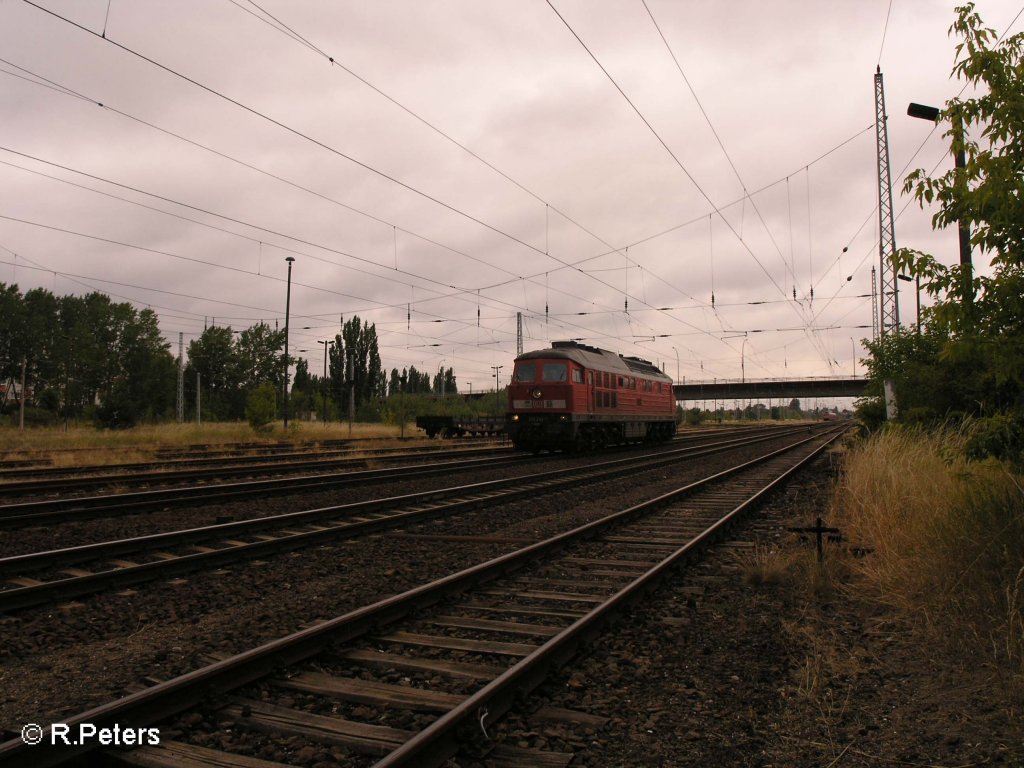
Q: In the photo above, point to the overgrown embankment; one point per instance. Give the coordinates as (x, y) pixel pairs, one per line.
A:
(945, 540)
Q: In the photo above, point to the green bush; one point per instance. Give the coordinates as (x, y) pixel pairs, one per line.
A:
(260, 407)
(1000, 437)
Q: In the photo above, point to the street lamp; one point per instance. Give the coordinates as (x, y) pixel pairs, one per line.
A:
(677, 365)
(326, 345)
(906, 279)
(932, 113)
(287, 313)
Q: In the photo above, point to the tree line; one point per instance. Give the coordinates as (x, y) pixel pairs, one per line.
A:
(83, 356)
(89, 358)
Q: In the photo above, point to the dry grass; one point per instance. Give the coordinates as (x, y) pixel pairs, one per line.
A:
(946, 539)
(86, 445)
(762, 564)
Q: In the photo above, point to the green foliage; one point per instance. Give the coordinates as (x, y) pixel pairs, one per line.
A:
(260, 407)
(1000, 436)
(969, 357)
(80, 350)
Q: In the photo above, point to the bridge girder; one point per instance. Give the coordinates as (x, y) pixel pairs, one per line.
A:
(775, 389)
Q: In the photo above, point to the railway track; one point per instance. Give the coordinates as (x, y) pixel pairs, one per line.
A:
(44, 577)
(48, 511)
(419, 677)
(59, 480)
(56, 510)
(43, 460)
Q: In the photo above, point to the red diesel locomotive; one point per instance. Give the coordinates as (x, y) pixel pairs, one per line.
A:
(577, 397)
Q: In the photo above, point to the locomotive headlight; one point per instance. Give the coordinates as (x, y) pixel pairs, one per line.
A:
(537, 394)
(515, 417)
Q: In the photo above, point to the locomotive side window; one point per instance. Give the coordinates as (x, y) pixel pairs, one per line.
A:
(577, 376)
(526, 372)
(554, 372)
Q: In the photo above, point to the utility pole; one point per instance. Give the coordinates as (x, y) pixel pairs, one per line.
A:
(287, 312)
(351, 392)
(181, 377)
(21, 398)
(326, 344)
(886, 227)
(199, 410)
(519, 333)
(497, 399)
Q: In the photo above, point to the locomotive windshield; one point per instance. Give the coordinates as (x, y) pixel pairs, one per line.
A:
(526, 372)
(555, 372)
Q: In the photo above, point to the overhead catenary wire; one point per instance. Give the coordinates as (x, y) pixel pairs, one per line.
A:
(641, 264)
(286, 181)
(314, 141)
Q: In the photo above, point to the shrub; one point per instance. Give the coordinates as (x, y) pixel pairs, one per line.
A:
(260, 407)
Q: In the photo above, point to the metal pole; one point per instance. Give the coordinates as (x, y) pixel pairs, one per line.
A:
(853, 348)
(497, 399)
(351, 391)
(324, 383)
(198, 403)
(21, 398)
(743, 364)
(963, 229)
(287, 313)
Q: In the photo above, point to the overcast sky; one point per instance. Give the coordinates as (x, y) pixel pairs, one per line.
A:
(602, 167)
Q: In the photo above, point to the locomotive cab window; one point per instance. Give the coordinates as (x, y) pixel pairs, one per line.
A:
(577, 376)
(526, 372)
(554, 372)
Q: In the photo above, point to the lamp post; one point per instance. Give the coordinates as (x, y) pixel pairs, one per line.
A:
(497, 400)
(677, 365)
(287, 313)
(853, 349)
(906, 279)
(964, 230)
(326, 345)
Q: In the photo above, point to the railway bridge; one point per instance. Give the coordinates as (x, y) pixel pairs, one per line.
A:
(776, 389)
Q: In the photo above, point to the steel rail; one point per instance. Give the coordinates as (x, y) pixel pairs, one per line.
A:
(396, 511)
(58, 510)
(177, 471)
(168, 698)
(439, 741)
(85, 507)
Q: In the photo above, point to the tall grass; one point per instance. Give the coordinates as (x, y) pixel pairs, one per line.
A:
(946, 538)
(87, 445)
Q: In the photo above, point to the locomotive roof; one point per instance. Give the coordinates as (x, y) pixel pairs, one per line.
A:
(597, 359)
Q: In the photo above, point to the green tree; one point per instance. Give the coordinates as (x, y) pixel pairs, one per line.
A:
(258, 356)
(970, 356)
(355, 363)
(212, 357)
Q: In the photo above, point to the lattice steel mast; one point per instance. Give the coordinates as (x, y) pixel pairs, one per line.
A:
(874, 304)
(890, 302)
